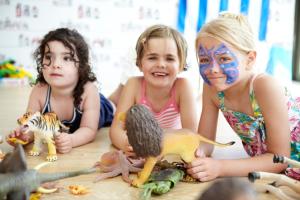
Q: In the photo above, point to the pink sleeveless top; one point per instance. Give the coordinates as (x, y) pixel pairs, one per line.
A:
(168, 117)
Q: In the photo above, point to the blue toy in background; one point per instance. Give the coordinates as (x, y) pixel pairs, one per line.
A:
(280, 62)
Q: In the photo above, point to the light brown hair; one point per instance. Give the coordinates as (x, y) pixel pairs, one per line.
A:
(162, 31)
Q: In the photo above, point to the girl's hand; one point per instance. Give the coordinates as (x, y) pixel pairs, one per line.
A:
(18, 134)
(63, 143)
(128, 150)
(204, 168)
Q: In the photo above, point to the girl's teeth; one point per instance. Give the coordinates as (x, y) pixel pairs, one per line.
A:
(159, 74)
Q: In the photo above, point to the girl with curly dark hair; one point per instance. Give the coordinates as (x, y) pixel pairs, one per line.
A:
(64, 85)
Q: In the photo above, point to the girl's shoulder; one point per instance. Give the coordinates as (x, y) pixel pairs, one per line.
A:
(40, 89)
(89, 89)
(90, 86)
(135, 82)
(182, 83)
(264, 84)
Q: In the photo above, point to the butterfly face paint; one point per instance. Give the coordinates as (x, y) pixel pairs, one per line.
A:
(222, 56)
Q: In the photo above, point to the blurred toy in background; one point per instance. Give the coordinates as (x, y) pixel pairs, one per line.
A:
(114, 163)
(1, 153)
(279, 185)
(229, 189)
(8, 69)
(16, 181)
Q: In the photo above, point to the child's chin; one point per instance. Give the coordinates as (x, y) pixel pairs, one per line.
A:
(219, 87)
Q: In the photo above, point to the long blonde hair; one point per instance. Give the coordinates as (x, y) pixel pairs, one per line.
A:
(233, 29)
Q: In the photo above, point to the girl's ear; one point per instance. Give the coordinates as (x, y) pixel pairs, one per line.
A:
(139, 66)
(251, 57)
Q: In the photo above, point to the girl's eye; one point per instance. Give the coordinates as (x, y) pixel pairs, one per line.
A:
(46, 60)
(47, 57)
(204, 60)
(170, 59)
(68, 58)
(224, 60)
(151, 58)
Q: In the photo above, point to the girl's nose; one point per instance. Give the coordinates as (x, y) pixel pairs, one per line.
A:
(56, 63)
(215, 68)
(161, 63)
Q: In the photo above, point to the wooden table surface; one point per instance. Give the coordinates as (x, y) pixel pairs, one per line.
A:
(13, 104)
(113, 188)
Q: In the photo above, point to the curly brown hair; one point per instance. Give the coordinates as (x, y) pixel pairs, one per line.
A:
(143, 131)
(74, 41)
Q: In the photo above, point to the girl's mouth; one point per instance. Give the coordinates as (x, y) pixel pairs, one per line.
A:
(55, 74)
(159, 74)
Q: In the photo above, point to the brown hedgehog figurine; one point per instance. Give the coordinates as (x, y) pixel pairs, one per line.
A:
(141, 125)
(151, 142)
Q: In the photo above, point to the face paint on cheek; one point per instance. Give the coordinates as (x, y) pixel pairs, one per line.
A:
(231, 71)
(204, 66)
(202, 69)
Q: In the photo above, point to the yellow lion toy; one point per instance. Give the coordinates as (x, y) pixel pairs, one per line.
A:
(44, 127)
(149, 141)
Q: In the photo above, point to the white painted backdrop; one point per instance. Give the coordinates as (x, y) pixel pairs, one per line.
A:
(111, 28)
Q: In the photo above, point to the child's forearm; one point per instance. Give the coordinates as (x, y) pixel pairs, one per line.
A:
(118, 138)
(241, 167)
(83, 136)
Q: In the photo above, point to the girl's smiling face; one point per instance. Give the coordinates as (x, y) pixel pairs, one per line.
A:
(219, 65)
(160, 62)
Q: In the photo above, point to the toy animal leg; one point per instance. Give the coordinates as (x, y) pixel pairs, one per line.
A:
(125, 176)
(35, 151)
(278, 192)
(145, 173)
(52, 156)
(188, 156)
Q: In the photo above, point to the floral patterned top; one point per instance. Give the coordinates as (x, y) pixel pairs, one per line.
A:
(251, 129)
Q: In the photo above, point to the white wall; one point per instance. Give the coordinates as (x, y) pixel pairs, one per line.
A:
(111, 28)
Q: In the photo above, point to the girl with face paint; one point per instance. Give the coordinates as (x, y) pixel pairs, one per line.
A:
(259, 110)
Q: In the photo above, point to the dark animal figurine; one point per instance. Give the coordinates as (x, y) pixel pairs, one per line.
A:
(149, 141)
(16, 181)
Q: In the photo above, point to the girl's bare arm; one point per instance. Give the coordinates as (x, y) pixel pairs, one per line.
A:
(187, 103)
(127, 99)
(90, 117)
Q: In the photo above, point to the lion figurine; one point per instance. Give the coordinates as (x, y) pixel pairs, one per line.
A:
(151, 142)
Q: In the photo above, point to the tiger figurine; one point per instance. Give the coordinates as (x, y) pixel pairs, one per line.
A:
(44, 128)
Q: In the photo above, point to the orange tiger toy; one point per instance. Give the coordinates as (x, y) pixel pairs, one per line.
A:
(44, 127)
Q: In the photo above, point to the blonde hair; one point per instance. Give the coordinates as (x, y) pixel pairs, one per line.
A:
(162, 31)
(233, 29)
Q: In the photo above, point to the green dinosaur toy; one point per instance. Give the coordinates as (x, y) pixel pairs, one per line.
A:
(161, 182)
(16, 181)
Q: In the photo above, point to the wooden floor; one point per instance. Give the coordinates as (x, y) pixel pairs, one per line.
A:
(13, 102)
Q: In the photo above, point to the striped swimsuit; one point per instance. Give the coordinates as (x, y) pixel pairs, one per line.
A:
(168, 117)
